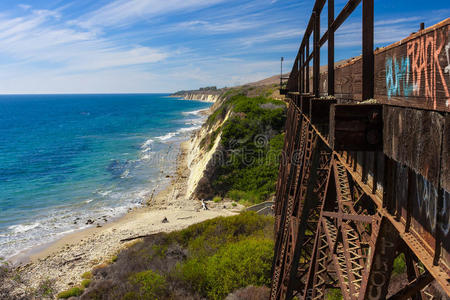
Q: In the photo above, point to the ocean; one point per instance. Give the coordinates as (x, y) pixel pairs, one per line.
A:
(70, 160)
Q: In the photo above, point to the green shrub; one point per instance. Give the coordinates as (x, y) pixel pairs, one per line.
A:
(159, 250)
(251, 182)
(236, 265)
(217, 199)
(218, 113)
(399, 265)
(86, 282)
(243, 197)
(150, 285)
(45, 289)
(204, 239)
(334, 294)
(73, 292)
(214, 137)
(87, 275)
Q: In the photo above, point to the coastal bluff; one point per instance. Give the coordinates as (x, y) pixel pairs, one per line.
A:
(268, 87)
(206, 94)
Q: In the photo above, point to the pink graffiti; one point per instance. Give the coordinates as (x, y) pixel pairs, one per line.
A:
(424, 55)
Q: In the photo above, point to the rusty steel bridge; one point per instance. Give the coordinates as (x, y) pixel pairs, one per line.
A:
(364, 176)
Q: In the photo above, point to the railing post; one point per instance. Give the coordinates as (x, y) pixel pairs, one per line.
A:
(302, 71)
(299, 69)
(368, 59)
(330, 48)
(316, 68)
(307, 65)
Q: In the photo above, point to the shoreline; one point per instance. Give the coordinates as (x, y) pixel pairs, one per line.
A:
(25, 255)
(66, 259)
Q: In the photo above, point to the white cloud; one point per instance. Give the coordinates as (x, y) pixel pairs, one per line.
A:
(32, 39)
(124, 12)
(272, 36)
(48, 51)
(24, 6)
(386, 31)
(233, 25)
(396, 21)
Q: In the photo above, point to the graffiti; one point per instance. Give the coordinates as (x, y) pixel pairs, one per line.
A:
(380, 268)
(425, 67)
(447, 53)
(397, 77)
(427, 197)
(447, 68)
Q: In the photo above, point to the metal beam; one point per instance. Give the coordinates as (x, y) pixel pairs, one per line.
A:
(330, 48)
(316, 70)
(357, 218)
(307, 66)
(413, 287)
(368, 60)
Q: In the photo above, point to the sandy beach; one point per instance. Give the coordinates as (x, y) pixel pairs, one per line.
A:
(65, 260)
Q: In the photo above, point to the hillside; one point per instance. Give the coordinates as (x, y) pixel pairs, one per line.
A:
(243, 138)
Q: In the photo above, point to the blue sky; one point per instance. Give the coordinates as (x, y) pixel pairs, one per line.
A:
(123, 46)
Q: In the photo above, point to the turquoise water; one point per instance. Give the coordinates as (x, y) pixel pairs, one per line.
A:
(65, 159)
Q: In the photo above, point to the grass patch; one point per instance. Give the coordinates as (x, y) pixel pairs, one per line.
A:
(236, 265)
(85, 283)
(217, 199)
(87, 275)
(204, 239)
(149, 285)
(73, 292)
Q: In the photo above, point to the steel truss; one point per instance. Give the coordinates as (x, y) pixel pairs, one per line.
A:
(330, 233)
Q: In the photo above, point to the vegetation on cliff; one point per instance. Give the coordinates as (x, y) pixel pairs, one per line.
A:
(245, 166)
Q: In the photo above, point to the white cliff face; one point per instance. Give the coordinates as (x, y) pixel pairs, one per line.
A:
(198, 158)
(202, 97)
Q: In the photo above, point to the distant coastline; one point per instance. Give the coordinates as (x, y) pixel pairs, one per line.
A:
(207, 94)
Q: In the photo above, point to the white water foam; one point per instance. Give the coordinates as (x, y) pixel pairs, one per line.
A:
(146, 150)
(194, 112)
(125, 174)
(179, 131)
(167, 136)
(147, 145)
(23, 227)
(104, 193)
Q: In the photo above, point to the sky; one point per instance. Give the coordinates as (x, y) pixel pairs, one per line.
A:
(157, 46)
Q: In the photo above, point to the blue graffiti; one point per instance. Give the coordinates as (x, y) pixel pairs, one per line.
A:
(397, 77)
